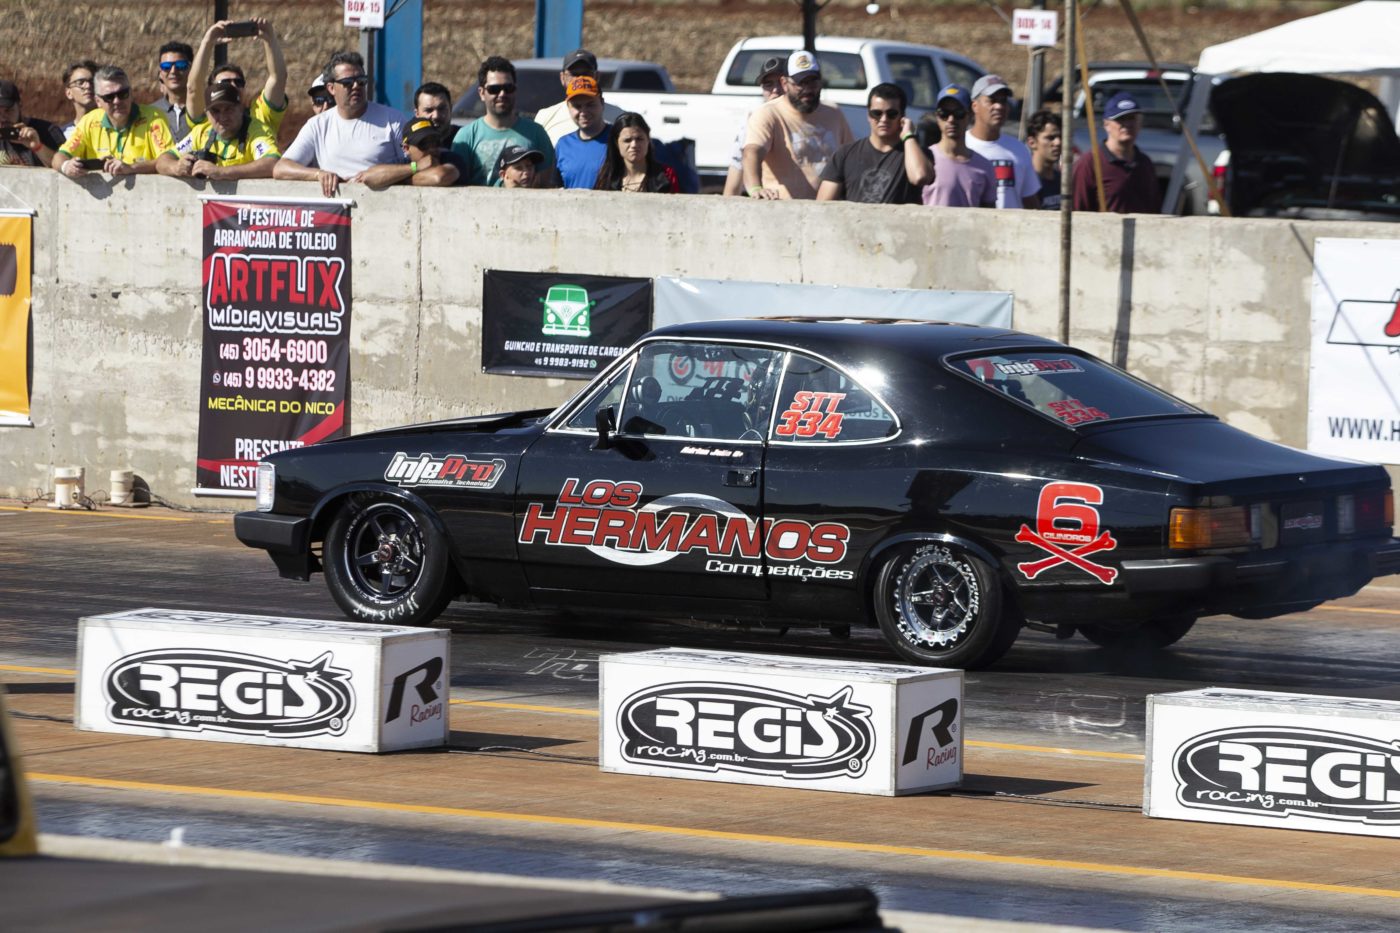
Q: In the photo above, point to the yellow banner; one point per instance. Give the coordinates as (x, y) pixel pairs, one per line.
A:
(15, 240)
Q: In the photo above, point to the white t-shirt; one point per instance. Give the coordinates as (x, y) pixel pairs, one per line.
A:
(1015, 172)
(348, 147)
(736, 152)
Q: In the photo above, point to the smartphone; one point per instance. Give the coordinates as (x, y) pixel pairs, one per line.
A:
(9, 132)
(240, 30)
(92, 165)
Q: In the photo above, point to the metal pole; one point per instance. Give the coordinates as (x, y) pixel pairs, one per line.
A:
(1066, 164)
(810, 9)
(1036, 82)
(220, 50)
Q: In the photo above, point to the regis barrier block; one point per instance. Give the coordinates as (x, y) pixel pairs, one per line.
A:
(263, 680)
(781, 721)
(1286, 760)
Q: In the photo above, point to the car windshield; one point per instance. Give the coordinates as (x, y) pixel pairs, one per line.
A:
(1072, 389)
(840, 70)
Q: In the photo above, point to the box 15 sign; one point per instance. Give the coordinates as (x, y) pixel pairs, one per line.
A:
(1035, 27)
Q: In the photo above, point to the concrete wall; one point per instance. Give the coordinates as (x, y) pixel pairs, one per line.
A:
(1214, 310)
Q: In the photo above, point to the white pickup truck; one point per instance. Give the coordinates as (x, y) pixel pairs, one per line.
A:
(850, 68)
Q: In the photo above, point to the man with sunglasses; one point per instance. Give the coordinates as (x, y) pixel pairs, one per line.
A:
(480, 142)
(1129, 179)
(268, 107)
(229, 145)
(1017, 183)
(77, 88)
(962, 178)
(887, 167)
(793, 137)
(770, 85)
(344, 142)
(556, 119)
(173, 75)
(129, 138)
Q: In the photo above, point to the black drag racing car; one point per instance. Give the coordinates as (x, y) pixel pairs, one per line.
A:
(947, 483)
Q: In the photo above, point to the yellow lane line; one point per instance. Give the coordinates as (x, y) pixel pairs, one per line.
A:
(62, 672)
(85, 513)
(688, 832)
(1389, 612)
(526, 707)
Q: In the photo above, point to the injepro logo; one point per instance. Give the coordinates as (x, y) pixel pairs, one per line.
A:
(1285, 771)
(754, 730)
(226, 691)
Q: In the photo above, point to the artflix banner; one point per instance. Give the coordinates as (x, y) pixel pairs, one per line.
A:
(1354, 374)
(558, 324)
(276, 362)
(16, 238)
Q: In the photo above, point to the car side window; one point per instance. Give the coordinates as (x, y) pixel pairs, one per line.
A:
(819, 404)
(700, 390)
(914, 75)
(586, 418)
(960, 74)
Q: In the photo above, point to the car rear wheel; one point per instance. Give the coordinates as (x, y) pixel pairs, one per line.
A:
(1154, 633)
(385, 562)
(940, 606)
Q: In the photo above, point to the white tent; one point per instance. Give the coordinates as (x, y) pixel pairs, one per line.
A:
(1360, 40)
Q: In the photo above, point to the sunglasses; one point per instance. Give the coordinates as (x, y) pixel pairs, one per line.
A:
(175, 66)
(354, 81)
(952, 114)
(322, 102)
(239, 83)
(494, 89)
(878, 115)
(80, 82)
(115, 96)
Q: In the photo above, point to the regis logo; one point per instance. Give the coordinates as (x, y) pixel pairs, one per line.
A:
(1288, 771)
(730, 727)
(226, 691)
(603, 517)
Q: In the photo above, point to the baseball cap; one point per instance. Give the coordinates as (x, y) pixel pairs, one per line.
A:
(318, 85)
(422, 131)
(581, 56)
(772, 64)
(953, 92)
(987, 85)
(9, 93)
(221, 92)
(513, 154)
(802, 62)
(582, 86)
(1120, 105)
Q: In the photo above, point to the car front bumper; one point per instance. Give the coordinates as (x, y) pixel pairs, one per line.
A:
(286, 538)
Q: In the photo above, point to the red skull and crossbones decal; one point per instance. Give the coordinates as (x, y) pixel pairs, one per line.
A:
(1067, 527)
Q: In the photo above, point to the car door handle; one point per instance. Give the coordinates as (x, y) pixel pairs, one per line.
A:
(741, 478)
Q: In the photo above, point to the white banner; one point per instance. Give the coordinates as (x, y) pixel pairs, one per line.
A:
(1354, 375)
(680, 300)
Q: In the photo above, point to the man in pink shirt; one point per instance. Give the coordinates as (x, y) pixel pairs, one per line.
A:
(793, 137)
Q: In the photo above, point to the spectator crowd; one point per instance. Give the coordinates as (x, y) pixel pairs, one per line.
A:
(207, 123)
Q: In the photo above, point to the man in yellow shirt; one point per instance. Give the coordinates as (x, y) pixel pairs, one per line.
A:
(128, 138)
(230, 144)
(269, 107)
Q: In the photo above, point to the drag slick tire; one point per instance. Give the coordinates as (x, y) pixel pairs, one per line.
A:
(938, 605)
(1154, 633)
(385, 562)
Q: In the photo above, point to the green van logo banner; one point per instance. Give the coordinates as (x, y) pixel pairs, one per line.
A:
(559, 324)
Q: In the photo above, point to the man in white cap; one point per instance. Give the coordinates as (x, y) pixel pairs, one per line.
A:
(1017, 183)
(792, 138)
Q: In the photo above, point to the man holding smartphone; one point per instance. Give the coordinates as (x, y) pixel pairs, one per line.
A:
(268, 107)
(120, 137)
(24, 142)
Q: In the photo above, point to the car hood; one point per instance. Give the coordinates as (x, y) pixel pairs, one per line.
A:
(1302, 144)
(478, 423)
(1220, 459)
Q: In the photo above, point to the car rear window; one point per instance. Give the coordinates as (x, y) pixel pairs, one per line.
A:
(1070, 388)
(840, 70)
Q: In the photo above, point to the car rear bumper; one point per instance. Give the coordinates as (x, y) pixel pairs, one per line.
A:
(286, 538)
(1324, 572)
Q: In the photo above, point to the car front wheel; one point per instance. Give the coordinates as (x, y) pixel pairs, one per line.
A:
(385, 562)
(940, 606)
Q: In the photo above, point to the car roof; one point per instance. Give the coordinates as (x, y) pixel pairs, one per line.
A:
(840, 44)
(604, 64)
(836, 336)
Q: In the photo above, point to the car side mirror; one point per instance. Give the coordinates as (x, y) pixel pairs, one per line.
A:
(605, 419)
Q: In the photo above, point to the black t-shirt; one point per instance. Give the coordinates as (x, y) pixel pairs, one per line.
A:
(1050, 192)
(448, 157)
(871, 176)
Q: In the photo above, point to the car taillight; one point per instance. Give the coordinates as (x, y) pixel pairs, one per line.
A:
(1202, 529)
(1371, 511)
